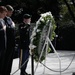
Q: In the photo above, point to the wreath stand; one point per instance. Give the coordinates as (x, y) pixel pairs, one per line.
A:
(47, 42)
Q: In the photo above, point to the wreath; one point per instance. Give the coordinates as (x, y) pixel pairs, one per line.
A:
(39, 33)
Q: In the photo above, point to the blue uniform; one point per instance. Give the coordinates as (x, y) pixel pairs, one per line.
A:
(10, 48)
(2, 43)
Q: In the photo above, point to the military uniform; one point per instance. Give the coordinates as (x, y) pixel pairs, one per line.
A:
(24, 44)
(2, 43)
(8, 58)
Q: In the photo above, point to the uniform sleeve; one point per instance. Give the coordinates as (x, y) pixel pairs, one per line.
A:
(20, 41)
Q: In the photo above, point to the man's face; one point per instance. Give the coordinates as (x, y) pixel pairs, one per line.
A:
(9, 13)
(27, 21)
(3, 14)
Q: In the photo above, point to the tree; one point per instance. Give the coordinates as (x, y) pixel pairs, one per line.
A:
(66, 28)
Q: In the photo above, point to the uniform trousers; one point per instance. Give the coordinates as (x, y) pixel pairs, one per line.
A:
(2, 54)
(25, 57)
(8, 59)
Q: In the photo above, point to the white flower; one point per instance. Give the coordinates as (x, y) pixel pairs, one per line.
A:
(47, 14)
(33, 34)
(31, 46)
(42, 19)
(35, 28)
(38, 22)
(38, 30)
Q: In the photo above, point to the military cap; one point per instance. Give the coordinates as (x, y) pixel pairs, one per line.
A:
(26, 16)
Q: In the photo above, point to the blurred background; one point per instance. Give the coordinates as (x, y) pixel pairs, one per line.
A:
(62, 10)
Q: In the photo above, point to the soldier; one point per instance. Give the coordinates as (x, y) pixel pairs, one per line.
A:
(24, 42)
(3, 12)
(10, 32)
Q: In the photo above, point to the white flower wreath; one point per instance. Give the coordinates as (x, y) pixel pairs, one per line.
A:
(39, 34)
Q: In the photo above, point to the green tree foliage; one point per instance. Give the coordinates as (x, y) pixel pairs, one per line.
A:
(66, 25)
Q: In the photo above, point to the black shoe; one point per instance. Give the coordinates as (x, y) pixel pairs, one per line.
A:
(27, 73)
(73, 73)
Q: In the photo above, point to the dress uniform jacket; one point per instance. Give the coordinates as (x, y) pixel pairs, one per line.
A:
(24, 36)
(24, 30)
(10, 33)
(2, 42)
(2, 35)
